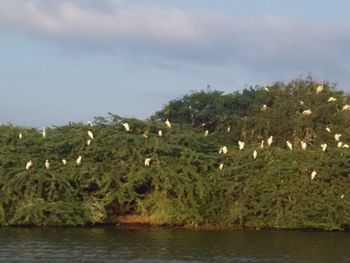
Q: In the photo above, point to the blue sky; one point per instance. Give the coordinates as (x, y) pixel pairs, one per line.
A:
(66, 60)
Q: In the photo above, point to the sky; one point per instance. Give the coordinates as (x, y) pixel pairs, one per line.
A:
(73, 60)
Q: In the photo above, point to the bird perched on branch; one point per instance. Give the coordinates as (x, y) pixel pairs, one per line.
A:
(160, 133)
(64, 161)
(270, 140)
(167, 123)
(47, 164)
(337, 136)
(290, 146)
(241, 145)
(306, 112)
(313, 174)
(262, 144)
(223, 150)
(331, 99)
(303, 145)
(147, 161)
(206, 133)
(91, 135)
(78, 161)
(324, 147)
(29, 165)
(346, 107)
(44, 133)
(319, 89)
(126, 126)
(255, 154)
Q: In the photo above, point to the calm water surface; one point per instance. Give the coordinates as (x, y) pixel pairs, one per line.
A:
(112, 244)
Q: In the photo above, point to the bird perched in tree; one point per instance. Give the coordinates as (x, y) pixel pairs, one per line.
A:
(241, 145)
(337, 136)
(266, 88)
(262, 144)
(147, 161)
(88, 142)
(206, 133)
(29, 165)
(301, 103)
(345, 146)
(324, 147)
(91, 135)
(255, 154)
(78, 161)
(223, 150)
(319, 89)
(331, 99)
(342, 196)
(306, 112)
(313, 174)
(47, 164)
(303, 145)
(339, 144)
(64, 161)
(228, 129)
(20, 135)
(44, 133)
(328, 129)
(126, 126)
(346, 107)
(221, 166)
(167, 123)
(264, 107)
(290, 146)
(160, 133)
(270, 140)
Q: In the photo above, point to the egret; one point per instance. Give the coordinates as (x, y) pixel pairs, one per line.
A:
(20, 136)
(221, 166)
(340, 144)
(346, 146)
(290, 146)
(223, 150)
(306, 112)
(167, 123)
(91, 135)
(337, 136)
(47, 164)
(331, 99)
(262, 144)
(346, 107)
(203, 124)
(241, 145)
(324, 147)
(228, 129)
(303, 145)
(206, 133)
(255, 154)
(147, 161)
(78, 161)
(64, 161)
(29, 165)
(301, 103)
(264, 107)
(342, 196)
(266, 88)
(328, 129)
(88, 142)
(126, 126)
(319, 89)
(160, 133)
(145, 135)
(44, 133)
(313, 174)
(269, 141)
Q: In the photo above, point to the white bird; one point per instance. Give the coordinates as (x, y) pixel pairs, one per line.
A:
(241, 145)
(290, 146)
(264, 107)
(262, 144)
(346, 107)
(20, 135)
(346, 146)
(303, 145)
(319, 89)
(44, 133)
(145, 135)
(206, 133)
(221, 166)
(167, 123)
(29, 165)
(147, 161)
(324, 147)
(269, 141)
(223, 150)
(313, 174)
(342, 196)
(228, 129)
(255, 154)
(331, 99)
(91, 135)
(328, 129)
(160, 133)
(337, 136)
(88, 142)
(78, 161)
(64, 161)
(266, 88)
(47, 164)
(340, 144)
(126, 126)
(301, 103)
(306, 112)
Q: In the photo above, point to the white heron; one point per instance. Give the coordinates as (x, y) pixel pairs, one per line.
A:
(346, 146)
(221, 166)
(324, 147)
(88, 142)
(331, 99)
(167, 123)
(266, 88)
(206, 133)
(313, 174)
(255, 154)
(301, 103)
(20, 135)
(290, 146)
(145, 135)
(64, 161)
(44, 133)
(126, 126)
(47, 164)
(319, 89)
(328, 129)
(29, 165)
(346, 107)
(337, 136)
(270, 140)
(91, 135)
(147, 161)
(339, 144)
(241, 145)
(228, 129)
(306, 112)
(303, 145)
(264, 107)
(223, 150)
(78, 161)
(262, 144)
(160, 133)
(342, 196)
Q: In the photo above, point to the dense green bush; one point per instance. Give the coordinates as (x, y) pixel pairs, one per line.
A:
(183, 184)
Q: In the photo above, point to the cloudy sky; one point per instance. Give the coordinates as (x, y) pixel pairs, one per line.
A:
(71, 60)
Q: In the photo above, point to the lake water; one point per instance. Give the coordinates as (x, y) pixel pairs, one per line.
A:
(113, 244)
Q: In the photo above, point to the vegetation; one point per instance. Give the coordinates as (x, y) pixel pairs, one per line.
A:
(183, 184)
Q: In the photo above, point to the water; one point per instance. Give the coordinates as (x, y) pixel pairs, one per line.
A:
(112, 244)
